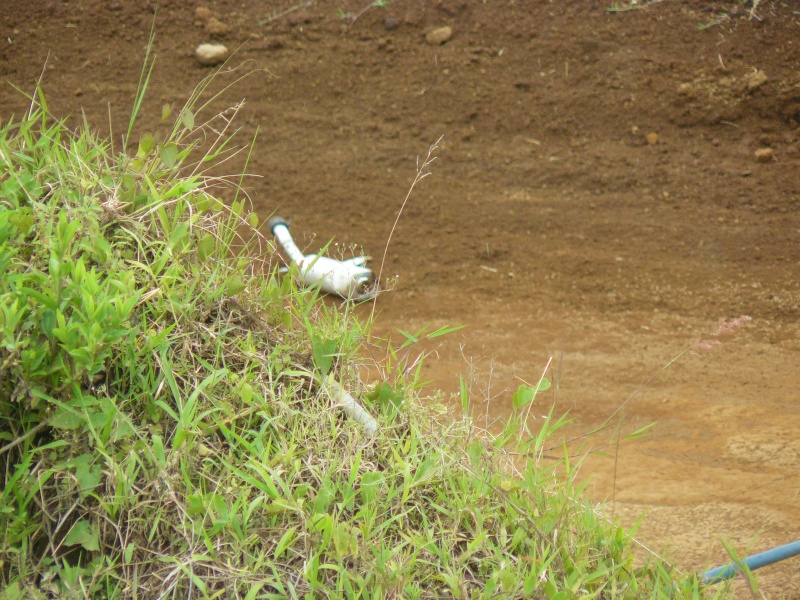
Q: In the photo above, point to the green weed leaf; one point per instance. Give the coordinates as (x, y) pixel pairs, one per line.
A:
(205, 246)
(235, 285)
(324, 352)
(83, 534)
(23, 219)
(389, 399)
(187, 118)
(525, 394)
(522, 396)
(66, 418)
(146, 145)
(89, 475)
(169, 155)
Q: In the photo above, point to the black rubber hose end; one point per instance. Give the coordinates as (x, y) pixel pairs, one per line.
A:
(274, 222)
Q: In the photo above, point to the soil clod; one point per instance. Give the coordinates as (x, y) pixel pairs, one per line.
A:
(765, 155)
(439, 36)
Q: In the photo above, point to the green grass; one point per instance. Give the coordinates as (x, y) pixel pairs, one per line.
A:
(165, 430)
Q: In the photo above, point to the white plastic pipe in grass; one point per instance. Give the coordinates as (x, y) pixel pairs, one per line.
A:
(349, 279)
(350, 406)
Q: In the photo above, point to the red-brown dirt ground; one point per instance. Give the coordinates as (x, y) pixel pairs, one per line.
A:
(553, 224)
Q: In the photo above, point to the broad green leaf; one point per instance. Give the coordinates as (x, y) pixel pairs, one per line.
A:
(235, 285)
(543, 385)
(195, 506)
(89, 475)
(166, 111)
(205, 246)
(509, 485)
(13, 592)
(525, 394)
(345, 540)
(325, 496)
(84, 535)
(246, 393)
(323, 352)
(169, 155)
(187, 118)
(65, 418)
(522, 396)
(23, 219)
(146, 145)
(203, 202)
(389, 399)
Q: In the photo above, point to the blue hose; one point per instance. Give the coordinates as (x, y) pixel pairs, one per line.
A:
(753, 562)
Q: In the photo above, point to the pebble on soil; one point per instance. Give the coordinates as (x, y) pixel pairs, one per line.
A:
(765, 154)
(211, 54)
(439, 36)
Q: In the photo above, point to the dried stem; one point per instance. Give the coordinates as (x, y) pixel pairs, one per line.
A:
(422, 173)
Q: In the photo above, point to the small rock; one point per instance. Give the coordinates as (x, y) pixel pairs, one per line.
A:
(390, 24)
(202, 13)
(765, 154)
(757, 80)
(211, 54)
(685, 89)
(652, 138)
(439, 36)
(634, 130)
(216, 27)
(78, 92)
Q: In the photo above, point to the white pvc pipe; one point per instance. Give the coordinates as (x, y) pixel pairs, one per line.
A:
(351, 408)
(346, 278)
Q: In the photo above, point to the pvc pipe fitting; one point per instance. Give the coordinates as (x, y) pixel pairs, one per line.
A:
(350, 279)
(351, 408)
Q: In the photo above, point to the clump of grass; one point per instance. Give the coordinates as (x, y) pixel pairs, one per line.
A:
(167, 433)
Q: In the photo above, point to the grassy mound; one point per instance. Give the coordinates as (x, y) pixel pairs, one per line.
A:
(167, 430)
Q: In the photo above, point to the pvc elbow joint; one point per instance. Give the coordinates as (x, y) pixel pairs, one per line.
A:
(350, 279)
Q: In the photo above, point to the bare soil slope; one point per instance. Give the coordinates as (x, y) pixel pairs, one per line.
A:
(596, 199)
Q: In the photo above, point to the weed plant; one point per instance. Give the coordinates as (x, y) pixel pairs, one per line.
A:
(166, 430)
